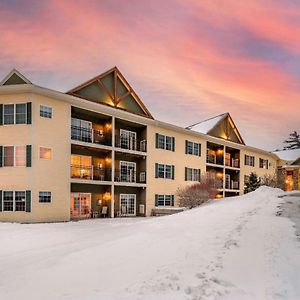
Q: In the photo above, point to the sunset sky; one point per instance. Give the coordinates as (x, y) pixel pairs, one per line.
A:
(188, 60)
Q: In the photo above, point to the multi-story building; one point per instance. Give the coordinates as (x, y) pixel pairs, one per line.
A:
(96, 150)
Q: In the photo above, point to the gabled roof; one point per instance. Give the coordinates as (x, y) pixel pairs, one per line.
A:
(208, 124)
(111, 88)
(14, 77)
(221, 126)
(288, 155)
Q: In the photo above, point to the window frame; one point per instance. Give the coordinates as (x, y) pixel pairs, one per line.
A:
(189, 145)
(249, 160)
(14, 114)
(40, 197)
(193, 174)
(162, 202)
(165, 142)
(45, 148)
(45, 116)
(164, 169)
(14, 201)
(14, 156)
(263, 163)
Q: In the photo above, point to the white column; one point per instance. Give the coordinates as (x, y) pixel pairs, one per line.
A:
(113, 130)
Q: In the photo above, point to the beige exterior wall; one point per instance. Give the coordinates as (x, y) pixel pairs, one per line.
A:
(44, 175)
(54, 175)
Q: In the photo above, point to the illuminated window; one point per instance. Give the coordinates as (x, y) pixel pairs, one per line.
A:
(45, 153)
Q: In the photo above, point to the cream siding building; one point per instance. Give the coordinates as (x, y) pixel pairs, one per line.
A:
(96, 151)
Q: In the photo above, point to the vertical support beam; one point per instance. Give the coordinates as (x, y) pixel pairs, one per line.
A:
(115, 86)
(224, 173)
(113, 130)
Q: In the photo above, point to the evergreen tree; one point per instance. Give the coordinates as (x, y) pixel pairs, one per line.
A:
(293, 142)
(252, 184)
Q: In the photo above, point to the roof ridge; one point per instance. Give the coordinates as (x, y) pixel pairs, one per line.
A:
(190, 126)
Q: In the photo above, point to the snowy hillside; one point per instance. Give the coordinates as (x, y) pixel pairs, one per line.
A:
(236, 248)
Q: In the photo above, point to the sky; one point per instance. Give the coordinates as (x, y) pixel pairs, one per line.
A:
(188, 60)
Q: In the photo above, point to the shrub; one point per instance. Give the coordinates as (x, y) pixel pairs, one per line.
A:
(252, 183)
(198, 193)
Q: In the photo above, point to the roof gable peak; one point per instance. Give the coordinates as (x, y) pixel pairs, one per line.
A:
(14, 77)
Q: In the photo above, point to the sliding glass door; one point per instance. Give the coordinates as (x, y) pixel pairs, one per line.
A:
(80, 205)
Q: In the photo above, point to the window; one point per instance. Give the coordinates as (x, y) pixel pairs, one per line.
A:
(15, 113)
(192, 174)
(263, 163)
(9, 114)
(164, 200)
(249, 160)
(45, 153)
(20, 199)
(14, 156)
(45, 197)
(8, 201)
(8, 156)
(20, 156)
(21, 113)
(192, 148)
(14, 201)
(46, 111)
(165, 142)
(164, 171)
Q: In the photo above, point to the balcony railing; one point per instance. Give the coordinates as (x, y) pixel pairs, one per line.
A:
(130, 144)
(214, 159)
(90, 135)
(232, 185)
(232, 162)
(130, 176)
(90, 173)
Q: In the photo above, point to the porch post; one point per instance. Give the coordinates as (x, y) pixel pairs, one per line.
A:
(112, 211)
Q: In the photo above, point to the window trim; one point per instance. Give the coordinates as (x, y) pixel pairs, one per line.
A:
(263, 161)
(14, 156)
(164, 200)
(15, 114)
(14, 201)
(165, 171)
(164, 145)
(249, 160)
(52, 110)
(45, 148)
(193, 148)
(43, 202)
(193, 177)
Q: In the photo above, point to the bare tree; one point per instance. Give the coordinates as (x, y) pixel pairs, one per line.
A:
(198, 193)
(273, 180)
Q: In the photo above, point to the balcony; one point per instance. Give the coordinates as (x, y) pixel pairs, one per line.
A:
(90, 173)
(90, 135)
(130, 177)
(232, 162)
(130, 144)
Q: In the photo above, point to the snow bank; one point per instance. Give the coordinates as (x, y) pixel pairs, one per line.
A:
(235, 248)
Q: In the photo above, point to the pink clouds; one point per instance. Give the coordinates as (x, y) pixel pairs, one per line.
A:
(202, 56)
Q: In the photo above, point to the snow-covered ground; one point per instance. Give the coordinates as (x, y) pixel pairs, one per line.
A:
(236, 248)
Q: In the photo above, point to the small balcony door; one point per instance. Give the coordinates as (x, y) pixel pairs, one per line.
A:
(127, 171)
(80, 205)
(128, 204)
(81, 167)
(127, 139)
(81, 130)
